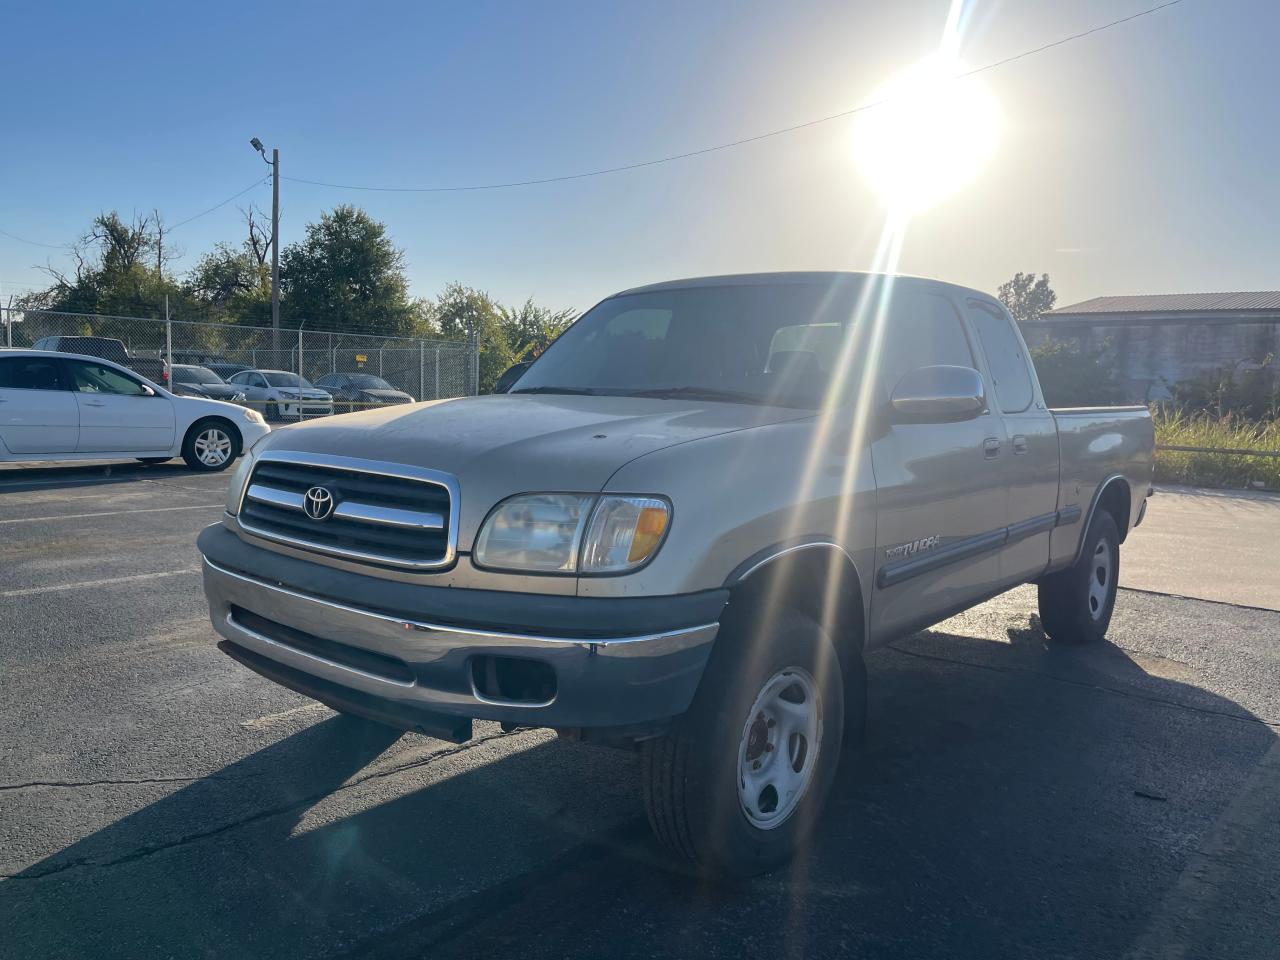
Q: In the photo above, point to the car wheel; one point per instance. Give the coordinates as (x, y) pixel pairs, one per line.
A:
(738, 784)
(211, 445)
(1076, 603)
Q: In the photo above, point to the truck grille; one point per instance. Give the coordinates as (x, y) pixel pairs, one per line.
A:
(378, 513)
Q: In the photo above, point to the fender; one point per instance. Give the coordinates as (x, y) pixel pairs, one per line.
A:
(1093, 508)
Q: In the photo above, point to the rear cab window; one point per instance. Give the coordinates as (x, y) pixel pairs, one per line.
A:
(1006, 358)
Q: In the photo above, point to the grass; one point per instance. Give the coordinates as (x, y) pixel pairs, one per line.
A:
(1215, 469)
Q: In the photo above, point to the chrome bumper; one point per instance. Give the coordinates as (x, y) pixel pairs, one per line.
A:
(618, 682)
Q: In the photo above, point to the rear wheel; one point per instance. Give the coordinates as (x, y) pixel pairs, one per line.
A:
(1076, 603)
(738, 784)
(211, 445)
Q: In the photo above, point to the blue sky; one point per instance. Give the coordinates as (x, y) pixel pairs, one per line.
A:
(1138, 160)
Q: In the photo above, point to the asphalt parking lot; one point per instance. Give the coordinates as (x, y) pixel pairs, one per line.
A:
(1015, 800)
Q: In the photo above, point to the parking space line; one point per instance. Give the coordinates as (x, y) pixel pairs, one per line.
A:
(111, 513)
(90, 584)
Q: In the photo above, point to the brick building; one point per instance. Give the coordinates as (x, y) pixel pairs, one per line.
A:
(1160, 339)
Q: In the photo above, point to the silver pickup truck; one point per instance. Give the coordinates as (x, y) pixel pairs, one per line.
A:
(682, 529)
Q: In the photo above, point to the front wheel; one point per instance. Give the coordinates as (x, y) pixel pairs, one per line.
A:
(1076, 604)
(211, 445)
(738, 784)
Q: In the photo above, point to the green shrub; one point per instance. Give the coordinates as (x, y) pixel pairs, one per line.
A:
(1071, 377)
(1211, 469)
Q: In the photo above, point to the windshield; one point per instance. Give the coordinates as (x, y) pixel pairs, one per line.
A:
(756, 343)
(281, 379)
(367, 381)
(196, 375)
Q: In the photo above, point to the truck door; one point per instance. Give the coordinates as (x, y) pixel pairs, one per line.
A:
(940, 494)
(1031, 466)
(38, 412)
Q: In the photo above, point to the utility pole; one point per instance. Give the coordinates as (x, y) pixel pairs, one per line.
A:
(274, 163)
(275, 241)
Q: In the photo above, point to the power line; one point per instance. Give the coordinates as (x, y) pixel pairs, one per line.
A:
(35, 243)
(223, 203)
(180, 223)
(732, 143)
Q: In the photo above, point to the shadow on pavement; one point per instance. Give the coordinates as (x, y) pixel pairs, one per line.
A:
(1014, 801)
(40, 476)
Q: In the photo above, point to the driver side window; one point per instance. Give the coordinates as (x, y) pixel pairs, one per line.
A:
(99, 378)
(922, 330)
(257, 380)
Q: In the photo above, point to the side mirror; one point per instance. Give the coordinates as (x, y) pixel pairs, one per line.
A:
(510, 376)
(148, 391)
(940, 394)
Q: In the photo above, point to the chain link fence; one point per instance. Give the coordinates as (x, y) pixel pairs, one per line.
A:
(343, 363)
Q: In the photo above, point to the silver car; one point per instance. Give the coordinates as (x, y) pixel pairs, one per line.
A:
(282, 395)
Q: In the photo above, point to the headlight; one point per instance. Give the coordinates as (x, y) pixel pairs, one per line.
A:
(568, 532)
(253, 416)
(624, 533)
(539, 532)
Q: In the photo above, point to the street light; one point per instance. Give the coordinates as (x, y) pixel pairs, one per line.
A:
(274, 163)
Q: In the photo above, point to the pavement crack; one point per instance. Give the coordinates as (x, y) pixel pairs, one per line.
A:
(76, 784)
(1132, 694)
(256, 817)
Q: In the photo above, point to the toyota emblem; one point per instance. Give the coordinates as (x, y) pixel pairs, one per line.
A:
(317, 503)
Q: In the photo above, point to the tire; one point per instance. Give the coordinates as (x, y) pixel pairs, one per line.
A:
(211, 445)
(1076, 604)
(713, 788)
(150, 460)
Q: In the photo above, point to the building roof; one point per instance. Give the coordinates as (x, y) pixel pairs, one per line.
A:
(1166, 303)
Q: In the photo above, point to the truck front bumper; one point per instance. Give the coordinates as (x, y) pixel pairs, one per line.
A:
(390, 657)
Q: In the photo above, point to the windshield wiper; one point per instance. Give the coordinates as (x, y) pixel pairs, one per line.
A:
(573, 391)
(700, 393)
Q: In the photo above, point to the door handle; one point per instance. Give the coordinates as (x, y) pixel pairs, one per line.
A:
(94, 403)
(1019, 444)
(991, 448)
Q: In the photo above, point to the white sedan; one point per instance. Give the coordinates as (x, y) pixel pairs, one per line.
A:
(61, 406)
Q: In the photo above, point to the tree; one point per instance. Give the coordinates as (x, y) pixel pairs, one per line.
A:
(461, 312)
(1026, 297)
(530, 328)
(232, 284)
(115, 272)
(347, 275)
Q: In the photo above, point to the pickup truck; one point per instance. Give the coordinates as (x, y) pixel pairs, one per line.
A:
(108, 348)
(681, 530)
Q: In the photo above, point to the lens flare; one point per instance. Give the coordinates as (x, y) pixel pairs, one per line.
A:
(930, 132)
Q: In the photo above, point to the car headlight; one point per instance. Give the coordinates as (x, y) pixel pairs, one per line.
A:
(570, 532)
(253, 416)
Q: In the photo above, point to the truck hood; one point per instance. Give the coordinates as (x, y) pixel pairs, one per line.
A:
(501, 445)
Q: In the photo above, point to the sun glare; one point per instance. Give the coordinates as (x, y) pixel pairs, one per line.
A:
(930, 134)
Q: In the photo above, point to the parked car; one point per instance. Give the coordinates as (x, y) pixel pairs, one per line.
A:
(681, 531)
(356, 391)
(282, 395)
(507, 379)
(58, 406)
(108, 348)
(210, 361)
(191, 381)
